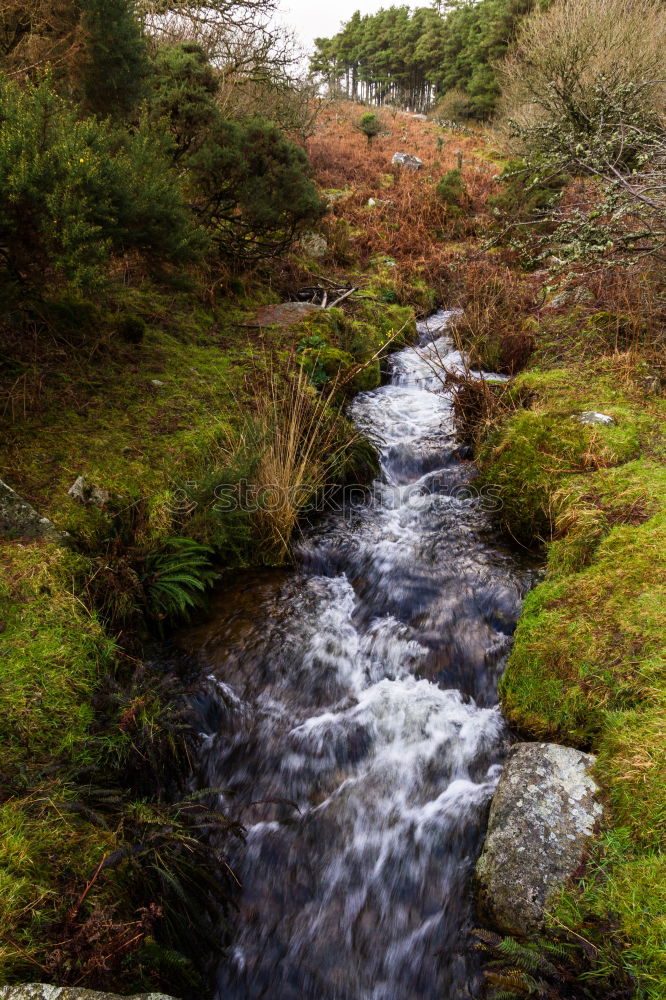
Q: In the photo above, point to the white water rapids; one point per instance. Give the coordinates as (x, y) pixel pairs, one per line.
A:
(360, 732)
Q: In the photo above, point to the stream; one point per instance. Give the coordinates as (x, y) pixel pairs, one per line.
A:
(357, 723)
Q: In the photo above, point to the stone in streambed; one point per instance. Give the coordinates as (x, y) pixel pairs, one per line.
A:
(542, 822)
(41, 991)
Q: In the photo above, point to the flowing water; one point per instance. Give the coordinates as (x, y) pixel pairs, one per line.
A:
(356, 722)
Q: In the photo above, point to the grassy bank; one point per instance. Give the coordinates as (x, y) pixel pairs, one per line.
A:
(588, 667)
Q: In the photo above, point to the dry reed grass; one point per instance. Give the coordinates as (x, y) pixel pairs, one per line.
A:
(295, 439)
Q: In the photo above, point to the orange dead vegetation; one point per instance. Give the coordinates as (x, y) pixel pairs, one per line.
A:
(410, 221)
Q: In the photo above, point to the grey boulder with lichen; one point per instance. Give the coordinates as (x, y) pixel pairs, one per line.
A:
(18, 519)
(542, 822)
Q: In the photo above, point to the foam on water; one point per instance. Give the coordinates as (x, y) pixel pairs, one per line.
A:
(360, 729)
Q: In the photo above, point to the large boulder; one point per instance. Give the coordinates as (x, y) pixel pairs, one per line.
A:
(542, 821)
(406, 161)
(40, 991)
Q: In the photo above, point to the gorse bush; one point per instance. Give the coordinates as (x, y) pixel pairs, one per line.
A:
(254, 192)
(76, 192)
(451, 190)
(369, 126)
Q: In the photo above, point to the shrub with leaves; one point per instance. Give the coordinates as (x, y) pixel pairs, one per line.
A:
(74, 192)
(249, 185)
(176, 579)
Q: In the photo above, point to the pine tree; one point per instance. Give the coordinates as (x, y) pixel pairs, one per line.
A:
(114, 65)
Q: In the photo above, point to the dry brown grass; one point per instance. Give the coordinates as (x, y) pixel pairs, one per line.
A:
(411, 224)
(496, 328)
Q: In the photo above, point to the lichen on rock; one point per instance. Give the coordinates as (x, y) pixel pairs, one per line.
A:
(18, 519)
(43, 991)
(542, 821)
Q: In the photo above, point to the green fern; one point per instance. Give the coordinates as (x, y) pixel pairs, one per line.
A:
(526, 957)
(543, 968)
(176, 578)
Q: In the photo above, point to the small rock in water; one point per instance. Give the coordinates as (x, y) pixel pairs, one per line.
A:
(87, 494)
(407, 161)
(542, 822)
(592, 417)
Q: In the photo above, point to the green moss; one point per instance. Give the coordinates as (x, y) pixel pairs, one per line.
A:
(592, 642)
(534, 453)
(591, 505)
(539, 455)
(55, 651)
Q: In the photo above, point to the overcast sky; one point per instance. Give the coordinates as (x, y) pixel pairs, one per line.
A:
(312, 20)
